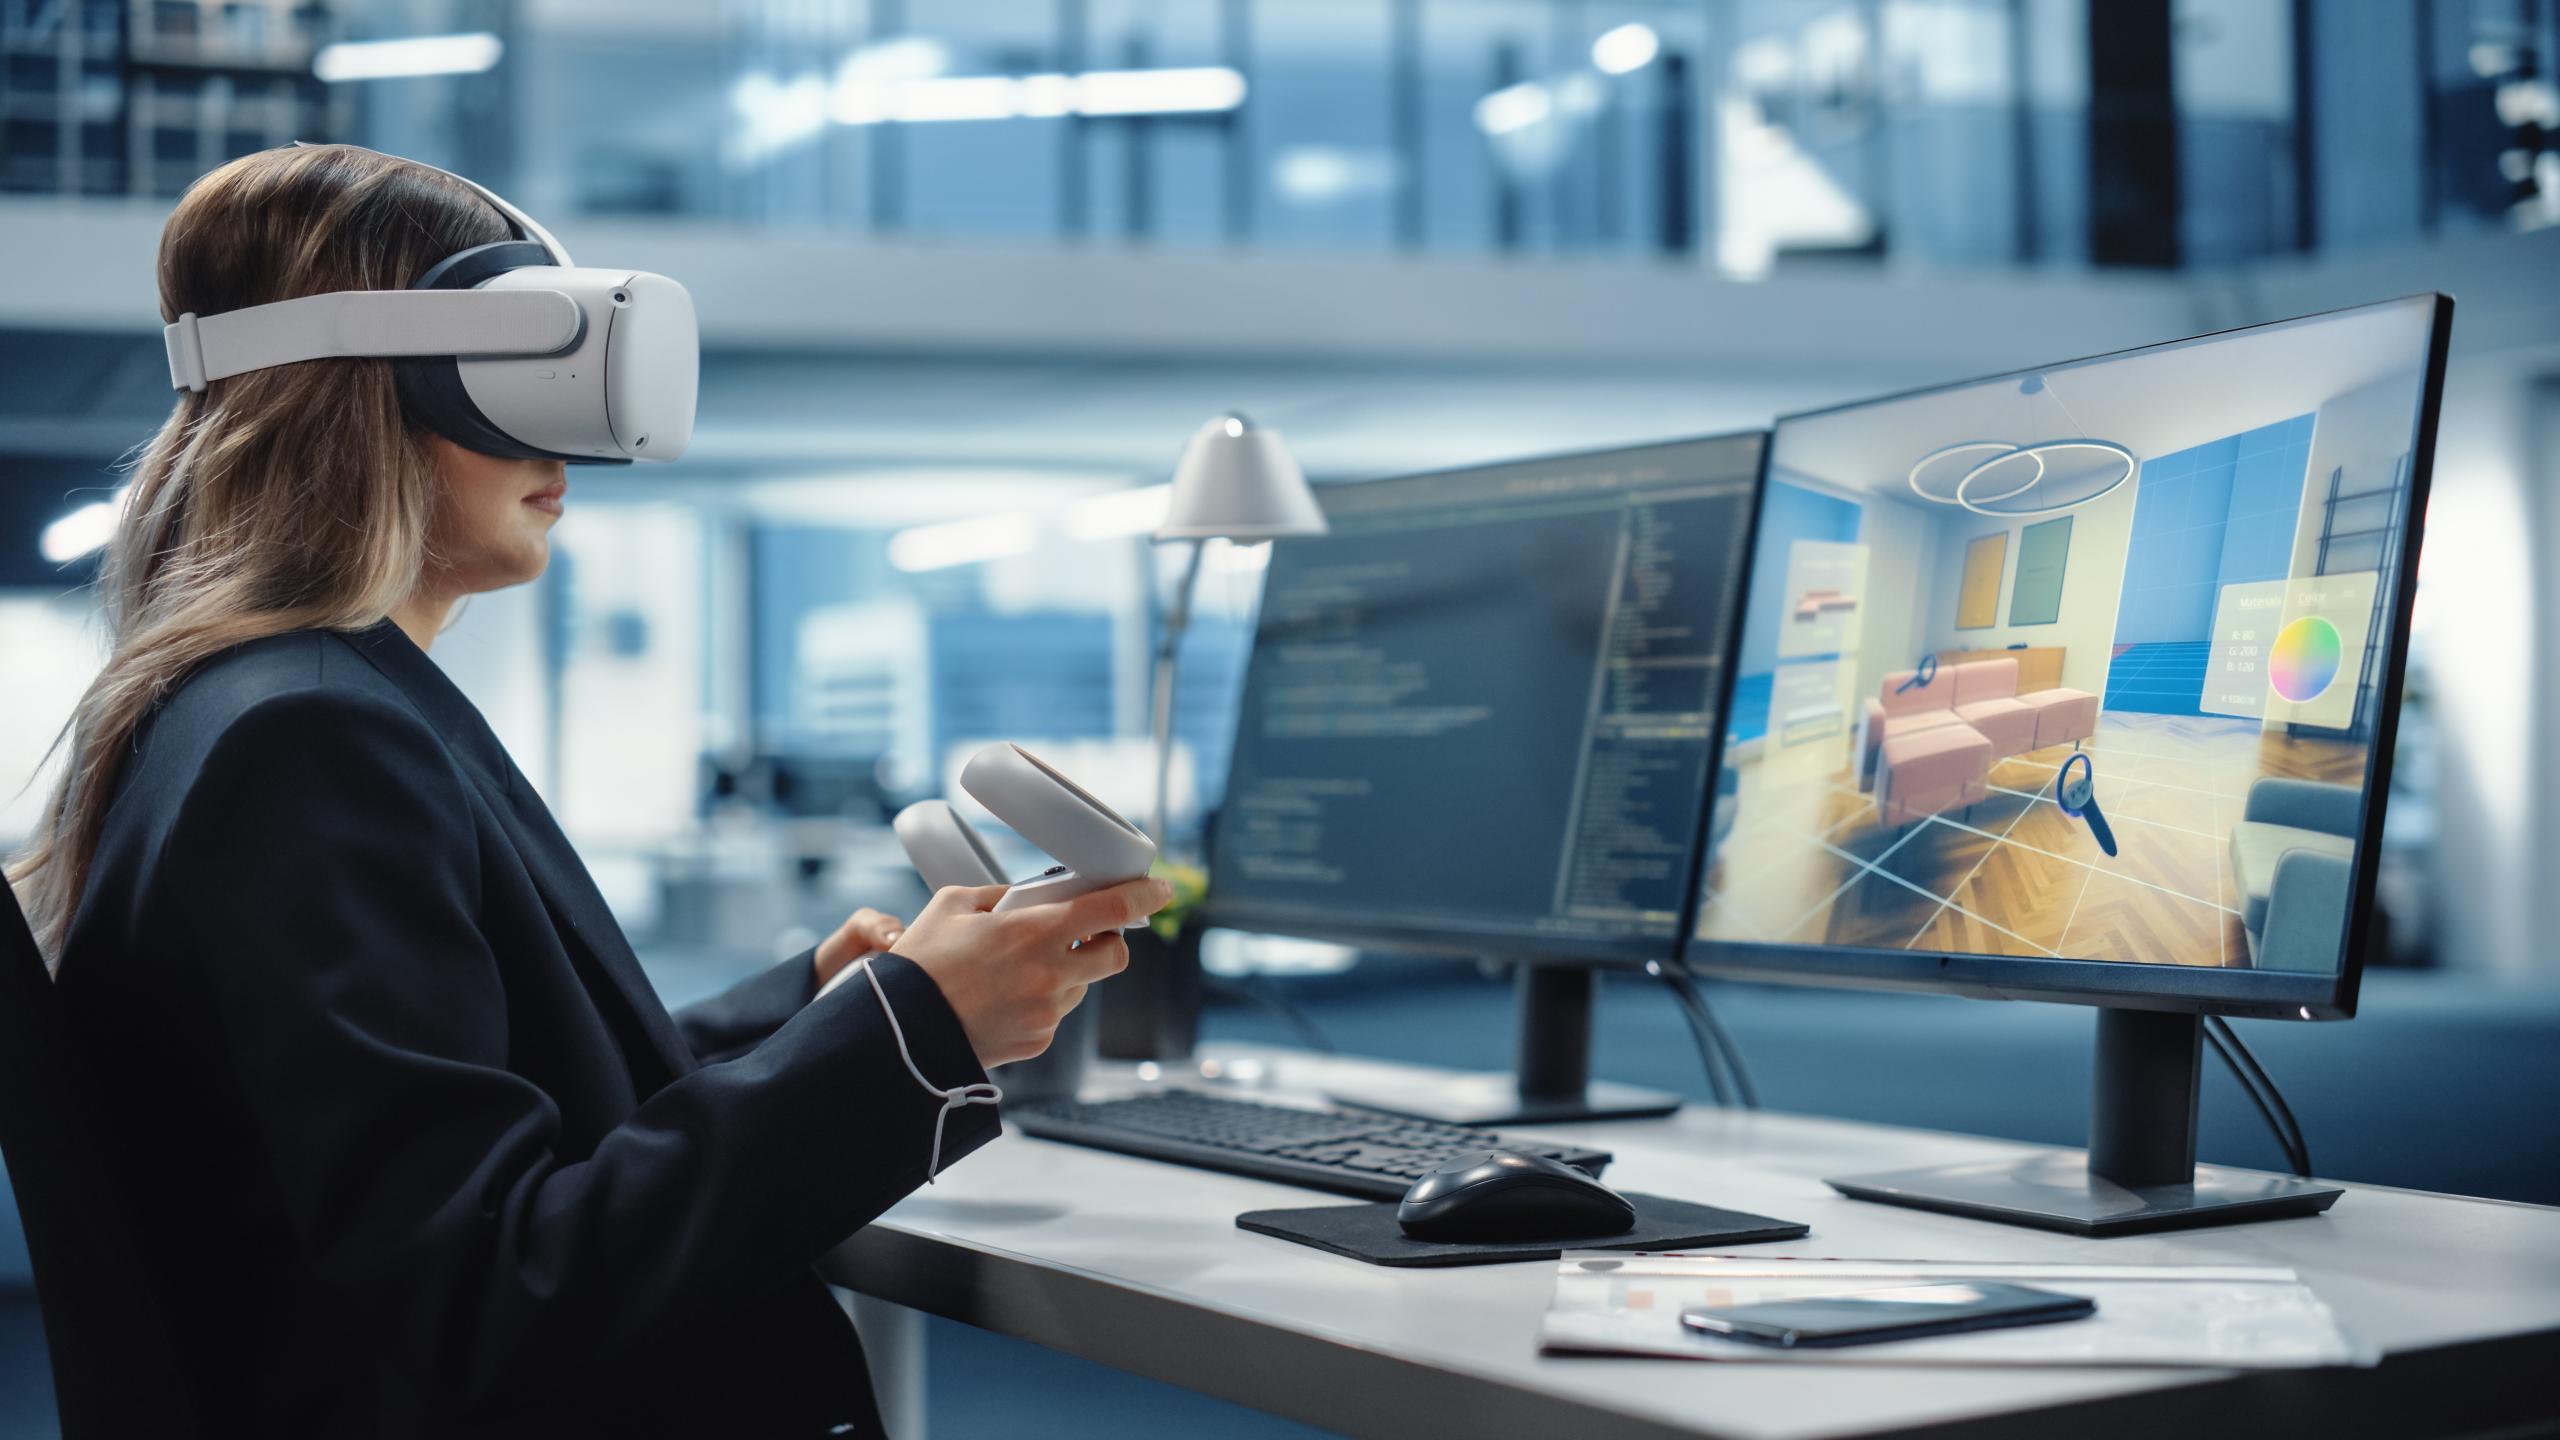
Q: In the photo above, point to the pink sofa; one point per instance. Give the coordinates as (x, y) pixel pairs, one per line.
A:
(2063, 716)
(1986, 698)
(1924, 772)
(1979, 699)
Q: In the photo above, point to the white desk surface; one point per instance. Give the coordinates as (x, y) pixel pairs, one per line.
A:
(1139, 1265)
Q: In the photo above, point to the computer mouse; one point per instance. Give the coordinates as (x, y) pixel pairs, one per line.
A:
(1504, 1195)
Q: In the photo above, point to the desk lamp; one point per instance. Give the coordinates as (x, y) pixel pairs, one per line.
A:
(1236, 482)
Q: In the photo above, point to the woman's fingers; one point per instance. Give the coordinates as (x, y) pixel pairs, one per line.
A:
(963, 899)
(1116, 908)
(879, 929)
(1097, 959)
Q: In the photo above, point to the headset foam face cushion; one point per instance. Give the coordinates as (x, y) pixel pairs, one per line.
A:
(431, 389)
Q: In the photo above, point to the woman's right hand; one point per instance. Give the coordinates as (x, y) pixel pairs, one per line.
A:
(1012, 977)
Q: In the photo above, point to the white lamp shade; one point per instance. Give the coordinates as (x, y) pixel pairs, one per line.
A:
(1237, 482)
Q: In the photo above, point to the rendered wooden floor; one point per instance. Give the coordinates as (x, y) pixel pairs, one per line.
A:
(1807, 861)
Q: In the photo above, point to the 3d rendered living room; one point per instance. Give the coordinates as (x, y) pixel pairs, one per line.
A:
(1939, 620)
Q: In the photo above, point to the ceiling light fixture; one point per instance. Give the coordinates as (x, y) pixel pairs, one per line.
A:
(406, 58)
(2037, 452)
(1628, 48)
(869, 99)
(1989, 449)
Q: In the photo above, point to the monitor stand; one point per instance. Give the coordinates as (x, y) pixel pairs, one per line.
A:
(1552, 1082)
(2139, 1172)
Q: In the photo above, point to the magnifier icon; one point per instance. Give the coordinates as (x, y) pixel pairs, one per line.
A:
(1926, 671)
(2075, 790)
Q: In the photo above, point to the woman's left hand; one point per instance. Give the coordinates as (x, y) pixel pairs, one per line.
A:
(867, 932)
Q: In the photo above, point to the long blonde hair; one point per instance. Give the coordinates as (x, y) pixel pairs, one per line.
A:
(291, 498)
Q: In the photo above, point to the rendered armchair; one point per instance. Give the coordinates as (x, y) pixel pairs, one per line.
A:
(2293, 865)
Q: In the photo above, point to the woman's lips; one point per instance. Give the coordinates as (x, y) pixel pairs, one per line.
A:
(548, 500)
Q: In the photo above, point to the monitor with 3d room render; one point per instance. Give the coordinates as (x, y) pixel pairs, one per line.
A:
(2079, 684)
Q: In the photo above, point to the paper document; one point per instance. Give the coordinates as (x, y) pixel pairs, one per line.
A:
(2229, 1316)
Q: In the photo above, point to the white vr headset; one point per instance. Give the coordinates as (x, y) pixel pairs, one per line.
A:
(505, 348)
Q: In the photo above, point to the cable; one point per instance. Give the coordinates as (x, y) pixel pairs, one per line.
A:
(2262, 1091)
(2283, 1142)
(2266, 1083)
(2300, 1146)
(1699, 1035)
(1269, 998)
(1742, 1081)
(1713, 1039)
(958, 1097)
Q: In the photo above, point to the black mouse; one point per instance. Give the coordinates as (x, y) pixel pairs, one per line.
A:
(1503, 1195)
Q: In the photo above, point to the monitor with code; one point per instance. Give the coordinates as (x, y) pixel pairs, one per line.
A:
(1478, 713)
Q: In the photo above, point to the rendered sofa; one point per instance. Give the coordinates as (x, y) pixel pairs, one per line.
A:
(2293, 864)
(1930, 748)
(1982, 695)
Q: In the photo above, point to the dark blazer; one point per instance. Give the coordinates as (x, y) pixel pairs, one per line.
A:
(418, 1150)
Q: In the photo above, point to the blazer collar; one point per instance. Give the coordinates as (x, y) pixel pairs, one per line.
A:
(558, 873)
(442, 702)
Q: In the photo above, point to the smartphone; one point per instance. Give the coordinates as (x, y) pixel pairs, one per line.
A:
(1864, 1317)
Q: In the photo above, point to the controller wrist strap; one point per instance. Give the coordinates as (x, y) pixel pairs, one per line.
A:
(958, 1097)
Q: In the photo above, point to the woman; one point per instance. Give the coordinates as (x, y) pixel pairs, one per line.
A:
(414, 1144)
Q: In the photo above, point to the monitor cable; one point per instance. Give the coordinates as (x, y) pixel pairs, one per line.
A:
(2262, 1092)
(1715, 1043)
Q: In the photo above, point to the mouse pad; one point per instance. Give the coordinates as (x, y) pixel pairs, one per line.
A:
(1369, 1232)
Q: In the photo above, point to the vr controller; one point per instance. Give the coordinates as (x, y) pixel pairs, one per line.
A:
(1095, 848)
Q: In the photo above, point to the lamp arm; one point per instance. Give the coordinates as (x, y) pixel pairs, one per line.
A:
(1177, 619)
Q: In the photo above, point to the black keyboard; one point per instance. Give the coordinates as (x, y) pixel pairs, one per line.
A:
(1349, 1152)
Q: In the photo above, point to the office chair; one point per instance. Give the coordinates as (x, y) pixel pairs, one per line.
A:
(119, 1368)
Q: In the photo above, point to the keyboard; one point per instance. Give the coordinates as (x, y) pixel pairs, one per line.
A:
(1349, 1152)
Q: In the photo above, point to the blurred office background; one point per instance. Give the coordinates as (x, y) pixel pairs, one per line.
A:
(970, 272)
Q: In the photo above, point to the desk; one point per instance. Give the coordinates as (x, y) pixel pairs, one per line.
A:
(1139, 1265)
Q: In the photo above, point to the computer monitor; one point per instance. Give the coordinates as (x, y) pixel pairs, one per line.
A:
(1477, 719)
(2079, 684)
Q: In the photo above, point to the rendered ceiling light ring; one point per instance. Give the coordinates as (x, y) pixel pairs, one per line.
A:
(1984, 467)
(2104, 447)
(2001, 449)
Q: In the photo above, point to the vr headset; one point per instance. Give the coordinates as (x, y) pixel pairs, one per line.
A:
(505, 348)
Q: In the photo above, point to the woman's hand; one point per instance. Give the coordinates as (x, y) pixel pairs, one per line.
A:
(1012, 977)
(868, 932)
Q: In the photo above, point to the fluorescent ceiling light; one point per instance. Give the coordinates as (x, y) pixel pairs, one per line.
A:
(977, 97)
(869, 99)
(1513, 108)
(1627, 48)
(1044, 97)
(1322, 174)
(398, 59)
(1119, 514)
(963, 542)
(776, 115)
(83, 530)
(1206, 88)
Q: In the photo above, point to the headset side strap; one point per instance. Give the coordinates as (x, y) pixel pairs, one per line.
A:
(205, 348)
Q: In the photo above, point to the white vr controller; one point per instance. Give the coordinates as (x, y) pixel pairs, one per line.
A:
(1095, 848)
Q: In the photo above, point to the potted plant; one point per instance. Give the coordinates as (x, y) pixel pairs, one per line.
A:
(1152, 1011)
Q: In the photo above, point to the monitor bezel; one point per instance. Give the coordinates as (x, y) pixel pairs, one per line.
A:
(1419, 937)
(2263, 994)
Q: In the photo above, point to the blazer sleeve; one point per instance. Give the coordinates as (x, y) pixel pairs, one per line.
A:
(320, 883)
(729, 1024)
